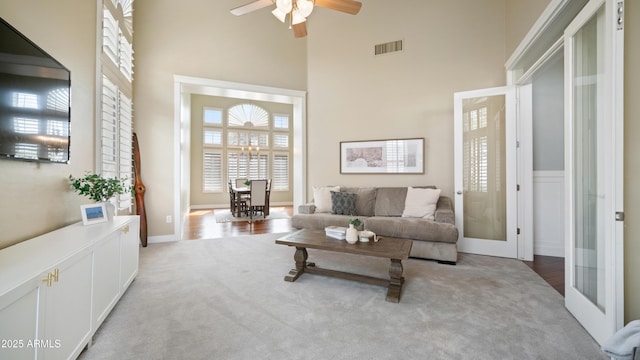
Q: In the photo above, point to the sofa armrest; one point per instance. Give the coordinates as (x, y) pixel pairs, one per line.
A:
(309, 208)
(444, 211)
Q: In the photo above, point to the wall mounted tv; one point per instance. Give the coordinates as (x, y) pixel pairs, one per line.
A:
(34, 101)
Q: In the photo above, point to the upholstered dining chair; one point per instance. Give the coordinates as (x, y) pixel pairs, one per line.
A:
(237, 204)
(258, 199)
(241, 183)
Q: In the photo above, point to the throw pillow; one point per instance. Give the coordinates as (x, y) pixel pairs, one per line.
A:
(322, 198)
(343, 203)
(421, 203)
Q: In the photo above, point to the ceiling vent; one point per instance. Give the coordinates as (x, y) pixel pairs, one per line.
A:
(390, 47)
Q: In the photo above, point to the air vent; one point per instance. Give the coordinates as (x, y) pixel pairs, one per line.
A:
(389, 47)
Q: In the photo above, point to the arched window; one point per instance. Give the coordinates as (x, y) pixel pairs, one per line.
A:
(255, 146)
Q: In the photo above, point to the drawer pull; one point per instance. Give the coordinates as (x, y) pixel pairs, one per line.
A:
(48, 279)
(125, 229)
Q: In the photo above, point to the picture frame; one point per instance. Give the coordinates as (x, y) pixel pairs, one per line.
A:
(394, 156)
(93, 214)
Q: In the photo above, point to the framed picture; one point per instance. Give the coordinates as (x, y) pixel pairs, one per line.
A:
(93, 213)
(396, 156)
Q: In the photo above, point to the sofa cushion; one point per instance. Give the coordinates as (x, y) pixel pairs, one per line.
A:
(421, 203)
(365, 199)
(322, 197)
(412, 228)
(390, 201)
(343, 203)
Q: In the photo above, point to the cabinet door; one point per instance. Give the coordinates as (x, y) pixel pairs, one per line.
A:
(106, 277)
(129, 252)
(18, 322)
(67, 308)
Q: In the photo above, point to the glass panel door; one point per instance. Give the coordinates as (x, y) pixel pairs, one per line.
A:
(593, 81)
(485, 154)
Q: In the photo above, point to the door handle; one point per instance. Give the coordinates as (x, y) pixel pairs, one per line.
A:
(459, 192)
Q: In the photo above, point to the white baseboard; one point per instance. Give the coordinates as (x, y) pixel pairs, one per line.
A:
(160, 239)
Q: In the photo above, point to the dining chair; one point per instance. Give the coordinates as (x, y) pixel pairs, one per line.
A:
(237, 204)
(241, 183)
(258, 198)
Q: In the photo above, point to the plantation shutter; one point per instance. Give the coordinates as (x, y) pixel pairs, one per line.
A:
(116, 122)
(109, 128)
(212, 172)
(280, 172)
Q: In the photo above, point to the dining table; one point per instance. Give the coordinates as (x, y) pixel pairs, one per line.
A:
(237, 193)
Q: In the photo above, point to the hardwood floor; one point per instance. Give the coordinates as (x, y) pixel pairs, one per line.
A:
(551, 269)
(201, 224)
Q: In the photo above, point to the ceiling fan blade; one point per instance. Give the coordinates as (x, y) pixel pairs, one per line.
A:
(252, 6)
(300, 30)
(346, 6)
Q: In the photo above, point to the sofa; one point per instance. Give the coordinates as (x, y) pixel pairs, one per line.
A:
(390, 212)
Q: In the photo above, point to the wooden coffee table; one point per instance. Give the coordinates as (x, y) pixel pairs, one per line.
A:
(393, 249)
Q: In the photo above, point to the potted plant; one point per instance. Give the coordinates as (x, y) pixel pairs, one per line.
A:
(98, 188)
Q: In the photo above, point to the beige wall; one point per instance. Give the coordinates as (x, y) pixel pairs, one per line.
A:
(353, 95)
(520, 16)
(198, 38)
(631, 163)
(198, 103)
(36, 197)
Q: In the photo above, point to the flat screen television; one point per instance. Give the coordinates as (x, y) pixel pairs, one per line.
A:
(34, 101)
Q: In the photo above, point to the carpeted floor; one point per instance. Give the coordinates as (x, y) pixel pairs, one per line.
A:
(226, 299)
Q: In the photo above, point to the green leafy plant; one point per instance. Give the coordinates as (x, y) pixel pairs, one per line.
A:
(98, 188)
(247, 182)
(355, 222)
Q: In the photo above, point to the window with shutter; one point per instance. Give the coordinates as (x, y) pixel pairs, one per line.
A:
(212, 174)
(116, 114)
(280, 172)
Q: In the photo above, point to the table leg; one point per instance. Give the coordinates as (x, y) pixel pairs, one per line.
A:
(300, 257)
(395, 281)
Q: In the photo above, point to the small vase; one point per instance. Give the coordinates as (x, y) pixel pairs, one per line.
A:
(111, 210)
(352, 234)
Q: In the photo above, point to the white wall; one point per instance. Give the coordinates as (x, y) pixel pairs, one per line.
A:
(449, 46)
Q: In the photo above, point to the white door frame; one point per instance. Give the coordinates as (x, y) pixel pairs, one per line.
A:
(184, 86)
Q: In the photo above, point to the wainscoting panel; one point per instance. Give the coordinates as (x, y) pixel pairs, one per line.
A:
(548, 213)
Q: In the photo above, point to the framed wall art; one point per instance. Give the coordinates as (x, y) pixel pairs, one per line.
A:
(396, 156)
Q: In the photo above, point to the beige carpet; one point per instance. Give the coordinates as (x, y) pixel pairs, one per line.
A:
(226, 299)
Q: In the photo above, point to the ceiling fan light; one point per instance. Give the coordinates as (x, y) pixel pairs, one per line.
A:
(305, 7)
(279, 14)
(284, 5)
(297, 18)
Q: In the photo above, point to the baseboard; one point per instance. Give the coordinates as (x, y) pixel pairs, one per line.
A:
(548, 250)
(160, 239)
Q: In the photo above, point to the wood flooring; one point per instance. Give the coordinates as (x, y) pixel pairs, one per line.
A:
(201, 224)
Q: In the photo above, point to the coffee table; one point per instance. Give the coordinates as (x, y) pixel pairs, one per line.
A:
(393, 249)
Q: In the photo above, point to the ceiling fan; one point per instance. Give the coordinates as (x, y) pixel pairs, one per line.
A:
(298, 10)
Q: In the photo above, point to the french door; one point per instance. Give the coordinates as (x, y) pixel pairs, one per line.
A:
(485, 171)
(593, 162)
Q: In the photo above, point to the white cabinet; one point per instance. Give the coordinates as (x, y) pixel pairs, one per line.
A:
(114, 268)
(66, 307)
(56, 289)
(106, 275)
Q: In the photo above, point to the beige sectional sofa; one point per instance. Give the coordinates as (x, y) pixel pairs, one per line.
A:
(381, 209)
